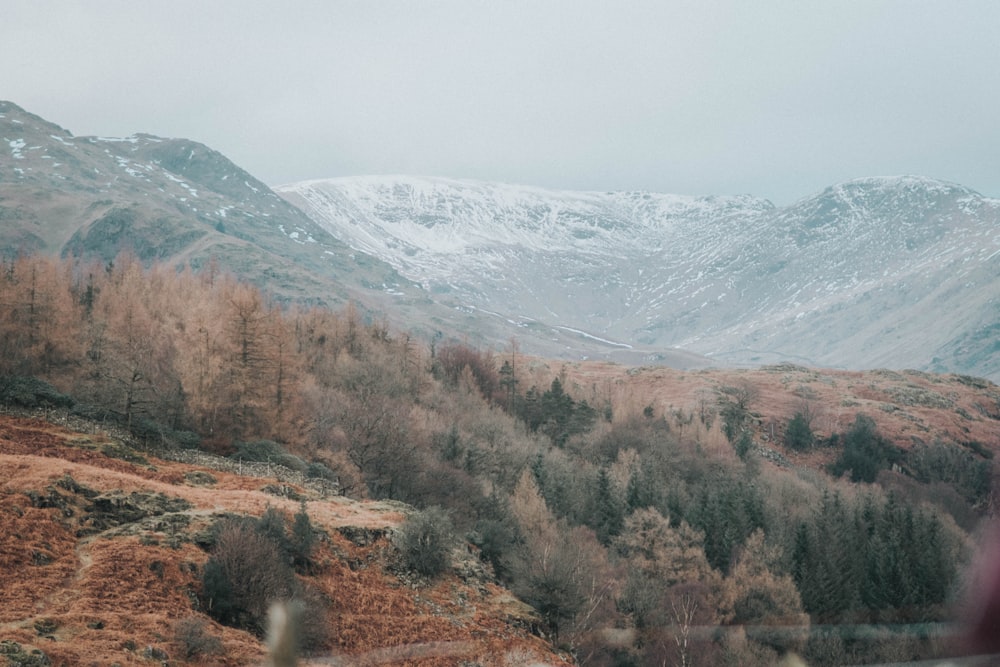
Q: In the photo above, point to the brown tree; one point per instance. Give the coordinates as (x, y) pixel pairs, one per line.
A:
(766, 603)
(39, 317)
(668, 555)
(562, 571)
(130, 353)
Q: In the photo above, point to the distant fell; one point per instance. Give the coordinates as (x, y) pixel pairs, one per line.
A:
(172, 201)
(899, 272)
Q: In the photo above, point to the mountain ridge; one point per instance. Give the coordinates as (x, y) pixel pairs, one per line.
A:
(168, 200)
(897, 272)
(701, 273)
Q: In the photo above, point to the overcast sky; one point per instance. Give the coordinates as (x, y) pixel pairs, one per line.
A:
(776, 99)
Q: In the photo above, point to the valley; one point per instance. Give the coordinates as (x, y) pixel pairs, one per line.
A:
(478, 423)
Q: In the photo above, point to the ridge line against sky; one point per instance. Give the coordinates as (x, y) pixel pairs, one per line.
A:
(777, 99)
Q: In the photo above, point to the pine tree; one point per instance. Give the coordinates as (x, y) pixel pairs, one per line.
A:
(608, 511)
(798, 434)
(641, 490)
(557, 412)
(803, 558)
(509, 384)
(302, 539)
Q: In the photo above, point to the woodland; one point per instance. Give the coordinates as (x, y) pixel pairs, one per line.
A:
(641, 535)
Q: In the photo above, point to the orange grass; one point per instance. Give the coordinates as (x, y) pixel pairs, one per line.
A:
(110, 596)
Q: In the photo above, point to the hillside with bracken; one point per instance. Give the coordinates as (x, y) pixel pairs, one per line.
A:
(911, 407)
(399, 487)
(103, 546)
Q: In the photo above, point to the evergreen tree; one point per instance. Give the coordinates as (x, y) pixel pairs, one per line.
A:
(727, 511)
(496, 532)
(271, 525)
(529, 409)
(865, 452)
(218, 596)
(555, 413)
(508, 382)
(743, 445)
(608, 513)
(825, 561)
(641, 490)
(934, 570)
(798, 434)
(302, 539)
(803, 557)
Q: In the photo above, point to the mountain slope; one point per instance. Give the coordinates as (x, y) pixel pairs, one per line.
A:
(168, 200)
(104, 559)
(899, 272)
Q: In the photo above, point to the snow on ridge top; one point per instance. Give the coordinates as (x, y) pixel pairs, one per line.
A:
(416, 223)
(881, 196)
(130, 139)
(433, 192)
(903, 182)
(432, 183)
(463, 202)
(500, 210)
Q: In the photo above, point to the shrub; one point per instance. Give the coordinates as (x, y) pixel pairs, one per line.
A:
(319, 470)
(302, 540)
(245, 574)
(268, 451)
(193, 640)
(30, 392)
(942, 462)
(186, 439)
(425, 541)
(865, 452)
(271, 525)
(95, 413)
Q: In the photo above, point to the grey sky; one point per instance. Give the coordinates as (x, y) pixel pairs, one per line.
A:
(776, 99)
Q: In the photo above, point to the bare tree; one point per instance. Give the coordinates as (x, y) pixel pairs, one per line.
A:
(683, 608)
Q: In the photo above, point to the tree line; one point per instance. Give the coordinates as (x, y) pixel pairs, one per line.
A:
(655, 526)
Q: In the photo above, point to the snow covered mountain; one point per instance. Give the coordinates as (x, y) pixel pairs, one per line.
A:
(900, 272)
(897, 272)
